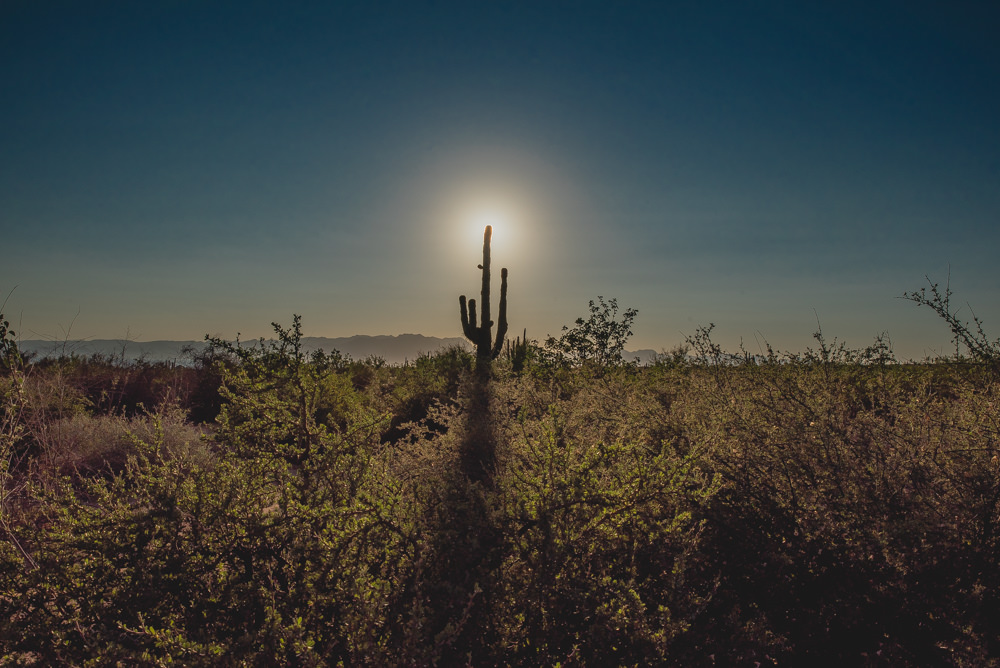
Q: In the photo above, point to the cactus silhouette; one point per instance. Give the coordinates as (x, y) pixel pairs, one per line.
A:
(517, 352)
(487, 349)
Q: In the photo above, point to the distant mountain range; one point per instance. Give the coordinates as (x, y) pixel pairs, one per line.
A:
(393, 349)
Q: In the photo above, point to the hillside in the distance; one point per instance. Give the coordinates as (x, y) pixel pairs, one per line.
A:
(393, 349)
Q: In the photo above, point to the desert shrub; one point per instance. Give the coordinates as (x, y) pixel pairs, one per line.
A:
(337, 402)
(203, 400)
(597, 539)
(280, 550)
(598, 340)
(112, 385)
(240, 562)
(85, 445)
(53, 396)
(367, 372)
(12, 407)
(274, 404)
(833, 507)
(677, 357)
(14, 452)
(849, 491)
(10, 356)
(965, 334)
(412, 389)
(575, 548)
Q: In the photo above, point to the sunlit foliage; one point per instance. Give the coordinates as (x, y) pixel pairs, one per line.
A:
(833, 507)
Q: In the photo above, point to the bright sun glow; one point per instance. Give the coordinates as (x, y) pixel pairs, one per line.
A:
(501, 221)
(488, 217)
(506, 213)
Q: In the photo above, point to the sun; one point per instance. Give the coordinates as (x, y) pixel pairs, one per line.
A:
(470, 217)
(497, 218)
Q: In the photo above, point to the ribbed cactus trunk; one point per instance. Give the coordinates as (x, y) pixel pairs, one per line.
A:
(481, 334)
(479, 446)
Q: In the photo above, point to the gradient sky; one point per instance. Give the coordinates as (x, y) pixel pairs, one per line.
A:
(171, 169)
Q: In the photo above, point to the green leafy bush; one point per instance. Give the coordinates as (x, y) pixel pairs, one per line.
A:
(965, 334)
(834, 507)
(598, 340)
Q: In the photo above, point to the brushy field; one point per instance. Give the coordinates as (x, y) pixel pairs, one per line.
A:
(268, 508)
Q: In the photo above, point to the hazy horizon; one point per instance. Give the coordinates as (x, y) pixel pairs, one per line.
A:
(179, 169)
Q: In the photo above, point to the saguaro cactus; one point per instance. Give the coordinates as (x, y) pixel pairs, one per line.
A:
(487, 348)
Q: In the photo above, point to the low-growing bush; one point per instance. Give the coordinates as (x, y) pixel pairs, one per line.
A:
(86, 445)
(833, 507)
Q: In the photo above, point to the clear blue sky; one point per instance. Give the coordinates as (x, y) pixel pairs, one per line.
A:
(171, 169)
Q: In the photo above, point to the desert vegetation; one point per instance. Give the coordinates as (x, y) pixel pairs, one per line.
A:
(263, 506)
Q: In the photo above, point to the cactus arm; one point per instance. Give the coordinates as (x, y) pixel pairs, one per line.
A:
(472, 320)
(502, 324)
(468, 329)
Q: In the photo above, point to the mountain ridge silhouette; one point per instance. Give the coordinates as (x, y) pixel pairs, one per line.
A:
(393, 348)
